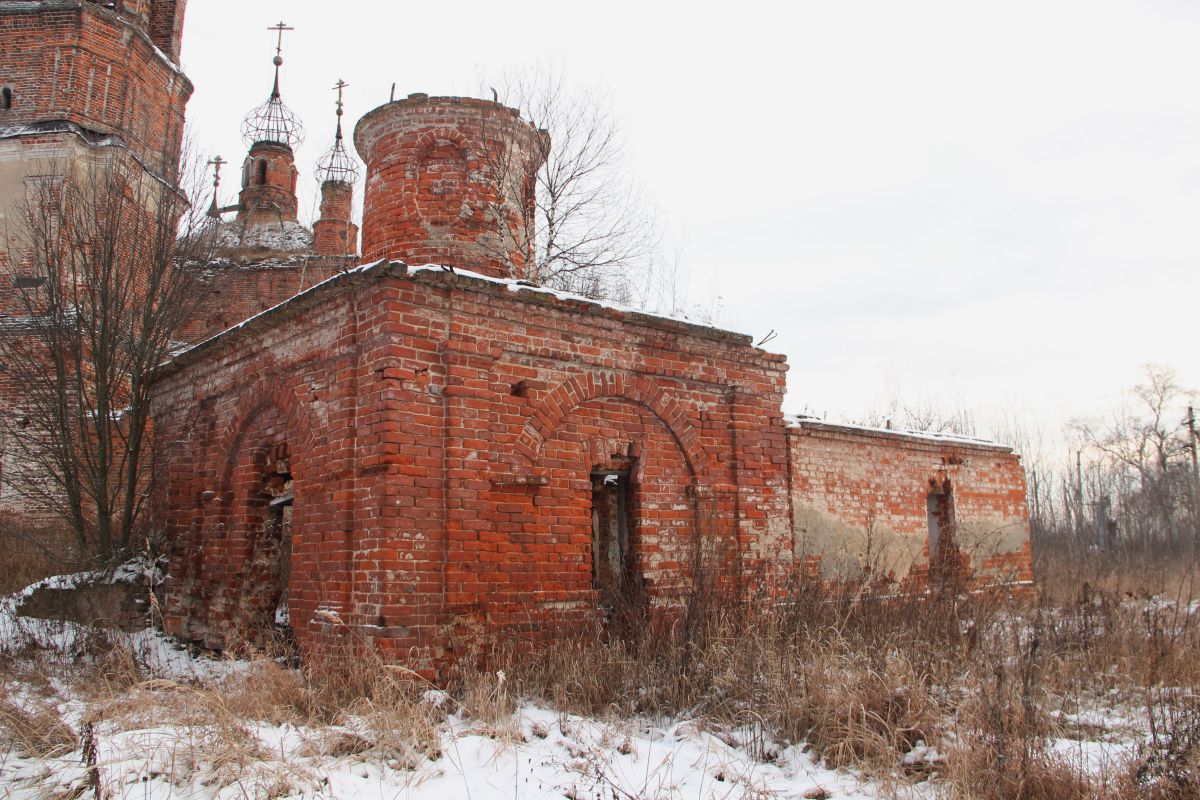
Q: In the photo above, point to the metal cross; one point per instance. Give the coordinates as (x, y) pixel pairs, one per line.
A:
(339, 87)
(281, 27)
(216, 163)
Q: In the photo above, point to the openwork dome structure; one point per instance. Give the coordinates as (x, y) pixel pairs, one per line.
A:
(337, 164)
(273, 121)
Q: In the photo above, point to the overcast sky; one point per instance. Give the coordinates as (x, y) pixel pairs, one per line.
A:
(993, 205)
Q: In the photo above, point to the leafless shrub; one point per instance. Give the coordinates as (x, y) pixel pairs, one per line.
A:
(1169, 766)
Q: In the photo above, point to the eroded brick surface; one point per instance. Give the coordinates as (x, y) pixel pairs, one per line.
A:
(862, 500)
(99, 69)
(443, 430)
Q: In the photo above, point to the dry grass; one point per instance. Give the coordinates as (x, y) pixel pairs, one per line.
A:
(865, 682)
(38, 733)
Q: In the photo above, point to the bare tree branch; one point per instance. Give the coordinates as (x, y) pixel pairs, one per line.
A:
(587, 228)
(102, 243)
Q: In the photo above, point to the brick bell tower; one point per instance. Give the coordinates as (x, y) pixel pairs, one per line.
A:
(79, 79)
(450, 180)
(269, 172)
(97, 71)
(334, 234)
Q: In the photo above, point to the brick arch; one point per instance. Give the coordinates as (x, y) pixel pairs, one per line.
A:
(426, 141)
(417, 158)
(261, 396)
(579, 389)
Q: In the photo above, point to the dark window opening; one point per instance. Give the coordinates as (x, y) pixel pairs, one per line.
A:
(612, 560)
(943, 548)
(260, 172)
(272, 554)
(6, 97)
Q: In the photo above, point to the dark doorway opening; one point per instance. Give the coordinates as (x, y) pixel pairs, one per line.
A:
(943, 547)
(272, 553)
(612, 561)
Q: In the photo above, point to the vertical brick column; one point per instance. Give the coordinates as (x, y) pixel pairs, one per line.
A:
(166, 25)
(334, 234)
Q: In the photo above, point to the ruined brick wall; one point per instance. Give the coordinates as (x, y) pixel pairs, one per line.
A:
(861, 500)
(443, 433)
(84, 64)
(236, 288)
(294, 388)
(450, 180)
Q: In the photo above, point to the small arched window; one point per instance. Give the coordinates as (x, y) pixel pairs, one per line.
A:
(6, 97)
(260, 172)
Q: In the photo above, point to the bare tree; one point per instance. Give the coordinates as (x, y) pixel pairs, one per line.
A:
(586, 226)
(94, 314)
(1139, 464)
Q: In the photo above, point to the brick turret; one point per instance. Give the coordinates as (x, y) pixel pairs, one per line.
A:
(269, 172)
(334, 234)
(450, 180)
(268, 184)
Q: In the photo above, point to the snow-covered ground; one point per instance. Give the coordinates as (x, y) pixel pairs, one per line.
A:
(540, 754)
(171, 733)
(167, 737)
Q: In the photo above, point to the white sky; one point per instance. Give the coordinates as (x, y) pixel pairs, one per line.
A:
(993, 206)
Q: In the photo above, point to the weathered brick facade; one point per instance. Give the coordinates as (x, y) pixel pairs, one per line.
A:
(450, 180)
(269, 178)
(443, 433)
(867, 500)
(103, 70)
(243, 282)
(335, 233)
(82, 86)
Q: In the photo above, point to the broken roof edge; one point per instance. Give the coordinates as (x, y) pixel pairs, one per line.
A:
(916, 437)
(437, 274)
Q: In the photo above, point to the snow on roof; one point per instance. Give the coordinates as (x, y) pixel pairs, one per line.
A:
(801, 421)
(517, 285)
(512, 284)
(205, 343)
(282, 236)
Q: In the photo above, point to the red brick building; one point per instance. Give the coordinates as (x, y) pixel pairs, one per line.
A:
(430, 457)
